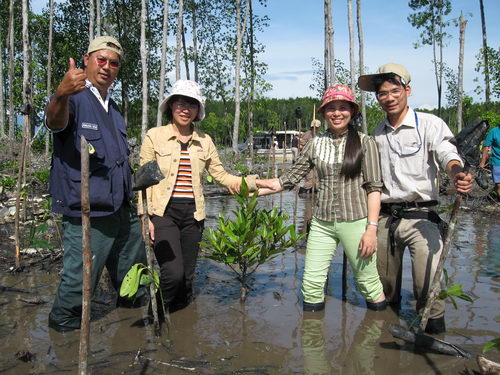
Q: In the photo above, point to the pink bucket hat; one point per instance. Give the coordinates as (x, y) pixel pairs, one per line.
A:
(338, 92)
(191, 89)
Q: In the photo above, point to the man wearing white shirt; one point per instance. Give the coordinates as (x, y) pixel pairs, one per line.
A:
(412, 146)
(81, 106)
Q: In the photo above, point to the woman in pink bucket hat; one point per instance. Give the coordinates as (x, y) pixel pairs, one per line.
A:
(176, 205)
(348, 203)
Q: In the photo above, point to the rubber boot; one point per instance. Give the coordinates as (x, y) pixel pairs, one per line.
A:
(312, 307)
(376, 306)
(436, 326)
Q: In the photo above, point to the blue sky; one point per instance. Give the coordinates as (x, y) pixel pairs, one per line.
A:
(296, 35)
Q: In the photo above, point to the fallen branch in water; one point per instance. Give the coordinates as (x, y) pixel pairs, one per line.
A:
(140, 358)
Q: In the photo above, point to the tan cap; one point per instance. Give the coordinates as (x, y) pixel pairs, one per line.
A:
(367, 82)
(315, 123)
(105, 42)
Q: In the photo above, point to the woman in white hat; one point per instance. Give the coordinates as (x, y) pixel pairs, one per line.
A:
(176, 205)
(348, 201)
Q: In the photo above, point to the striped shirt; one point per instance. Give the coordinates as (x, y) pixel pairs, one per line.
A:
(339, 199)
(183, 187)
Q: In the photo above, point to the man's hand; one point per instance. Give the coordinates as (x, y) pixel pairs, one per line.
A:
(463, 182)
(73, 81)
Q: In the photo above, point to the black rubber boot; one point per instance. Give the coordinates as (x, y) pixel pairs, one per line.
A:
(436, 326)
(312, 307)
(376, 306)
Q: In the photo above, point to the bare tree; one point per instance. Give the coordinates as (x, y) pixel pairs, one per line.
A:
(252, 82)
(91, 20)
(352, 61)
(179, 41)
(49, 68)
(195, 40)
(330, 78)
(463, 24)
(185, 51)
(361, 63)
(240, 31)
(144, 65)
(98, 17)
(485, 56)
(163, 60)
(12, 117)
(2, 107)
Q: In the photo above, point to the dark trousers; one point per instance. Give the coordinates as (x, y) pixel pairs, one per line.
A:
(176, 246)
(116, 243)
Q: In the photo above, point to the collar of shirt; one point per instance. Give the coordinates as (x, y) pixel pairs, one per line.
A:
(408, 121)
(334, 135)
(172, 134)
(93, 90)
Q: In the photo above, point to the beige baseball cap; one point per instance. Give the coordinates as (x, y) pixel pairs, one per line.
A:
(367, 82)
(105, 42)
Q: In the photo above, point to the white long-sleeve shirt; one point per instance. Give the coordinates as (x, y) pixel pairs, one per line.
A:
(410, 156)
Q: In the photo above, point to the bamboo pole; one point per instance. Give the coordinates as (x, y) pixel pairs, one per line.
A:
(87, 259)
(20, 175)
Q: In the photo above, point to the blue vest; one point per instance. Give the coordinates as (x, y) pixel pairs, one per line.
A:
(110, 172)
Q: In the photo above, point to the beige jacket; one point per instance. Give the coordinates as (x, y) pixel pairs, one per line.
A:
(161, 144)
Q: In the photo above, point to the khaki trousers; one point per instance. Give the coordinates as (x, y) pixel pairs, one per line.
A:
(423, 239)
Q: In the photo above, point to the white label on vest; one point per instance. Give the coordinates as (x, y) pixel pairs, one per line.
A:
(88, 125)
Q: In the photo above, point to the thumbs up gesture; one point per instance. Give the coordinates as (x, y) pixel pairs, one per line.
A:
(73, 81)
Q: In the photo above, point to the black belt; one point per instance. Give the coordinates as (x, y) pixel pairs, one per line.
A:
(411, 204)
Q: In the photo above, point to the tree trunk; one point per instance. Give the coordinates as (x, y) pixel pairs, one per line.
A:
(329, 63)
(91, 20)
(12, 115)
(163, 61)
(352, 61)
(98, 17)
(361, 63)
(195, 43)
(252, 84)
(144, 65)
(240, 31)
(2, 107)
(485, 56)
(49, 69)
(184, 50)
(179, 42)
(463, 24)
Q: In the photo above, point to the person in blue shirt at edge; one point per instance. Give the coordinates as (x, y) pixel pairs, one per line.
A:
(82, 105)
(492, 142)
(412, 145)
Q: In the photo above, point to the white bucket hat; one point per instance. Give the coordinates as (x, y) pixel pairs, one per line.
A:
(190, 89)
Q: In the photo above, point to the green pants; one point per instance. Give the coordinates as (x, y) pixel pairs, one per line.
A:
(321, 246)
(116, 243)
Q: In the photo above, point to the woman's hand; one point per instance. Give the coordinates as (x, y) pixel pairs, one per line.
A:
(368, 243)
(235, 188)
(151, 230)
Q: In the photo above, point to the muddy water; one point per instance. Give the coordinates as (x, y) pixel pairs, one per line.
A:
(269, 334)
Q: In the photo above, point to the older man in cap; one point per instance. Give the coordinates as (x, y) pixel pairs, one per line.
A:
(80, 106)
(412, 146)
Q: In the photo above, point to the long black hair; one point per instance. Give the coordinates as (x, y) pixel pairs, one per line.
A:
(353, 154)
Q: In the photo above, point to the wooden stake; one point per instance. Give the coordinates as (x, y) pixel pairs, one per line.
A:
(87, 259)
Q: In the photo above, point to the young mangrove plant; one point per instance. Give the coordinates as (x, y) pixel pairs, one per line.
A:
(250, 239)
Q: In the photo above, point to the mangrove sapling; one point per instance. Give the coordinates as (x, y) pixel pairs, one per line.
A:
(250, 239)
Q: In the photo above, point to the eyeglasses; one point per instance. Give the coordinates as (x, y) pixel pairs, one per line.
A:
(395, 93)
(181, 106)
(102, 61)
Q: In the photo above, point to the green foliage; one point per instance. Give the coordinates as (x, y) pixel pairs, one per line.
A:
(43, 175)
(454, 290)
(253, 237)
(8, 183)
(138, 275)
(492, 344)
(493, 56)
(37, 237)
(242, 168)
(9, 166)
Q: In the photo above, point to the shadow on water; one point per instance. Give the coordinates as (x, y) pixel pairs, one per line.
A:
(269, 334)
